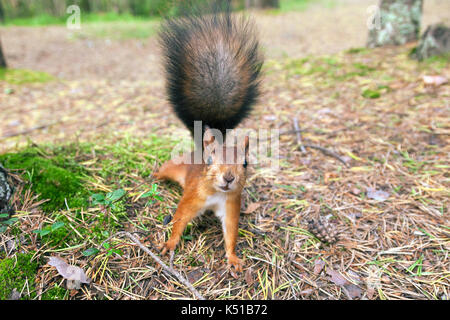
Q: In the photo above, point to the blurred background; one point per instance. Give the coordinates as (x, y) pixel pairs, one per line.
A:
(364, 143)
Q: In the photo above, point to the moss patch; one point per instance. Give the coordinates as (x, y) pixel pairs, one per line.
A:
(55, 293)
(14, 272)
(331, 68)
(54, 177)
(20, 76)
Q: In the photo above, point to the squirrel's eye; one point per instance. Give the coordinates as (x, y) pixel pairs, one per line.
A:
(209, 161)
(245, 163)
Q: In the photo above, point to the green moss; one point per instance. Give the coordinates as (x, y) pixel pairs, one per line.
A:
(15, 272)
(55, 293)
(119, 30)
(357, 51)
(133, 154)
(329, 67)
(371, 94)
(436, 63)
(20, 76)
(55, 178)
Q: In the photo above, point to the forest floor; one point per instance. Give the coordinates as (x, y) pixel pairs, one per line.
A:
(82, 133)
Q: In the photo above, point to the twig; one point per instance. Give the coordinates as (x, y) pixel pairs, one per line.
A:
(327, 152)
(165, 267)
(15, 134)
(299, 135)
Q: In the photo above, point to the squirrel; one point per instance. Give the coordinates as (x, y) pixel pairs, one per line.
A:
(212, 65)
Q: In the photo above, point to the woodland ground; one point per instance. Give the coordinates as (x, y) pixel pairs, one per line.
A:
(82, 136)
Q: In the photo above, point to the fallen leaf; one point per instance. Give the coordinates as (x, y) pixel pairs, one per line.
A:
(270, 118)
(434, 80)
(67, 271)
(249, 277)
(378, 195)
(370, 292)
(353, 291)
(318, 266)
(252, 207)
(337, 278)
(306, 292)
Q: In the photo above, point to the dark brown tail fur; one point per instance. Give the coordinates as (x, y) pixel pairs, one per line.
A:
(212, 65)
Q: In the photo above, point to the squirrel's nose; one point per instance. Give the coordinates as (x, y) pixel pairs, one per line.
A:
(229, 178)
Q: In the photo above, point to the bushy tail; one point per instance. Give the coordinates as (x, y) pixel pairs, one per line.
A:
(212, 65)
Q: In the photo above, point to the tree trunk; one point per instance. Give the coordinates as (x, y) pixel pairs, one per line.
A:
(262, 4)
(2, 13)
(398, 23)
(434, 42)
(2, 57)
(6, 191)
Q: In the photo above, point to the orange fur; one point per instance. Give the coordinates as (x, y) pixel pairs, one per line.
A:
(216, 187)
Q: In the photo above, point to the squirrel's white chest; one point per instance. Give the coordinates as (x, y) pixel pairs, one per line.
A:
(217, 203)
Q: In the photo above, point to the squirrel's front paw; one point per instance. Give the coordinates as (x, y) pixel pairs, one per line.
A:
(168, 246)
(234, 261)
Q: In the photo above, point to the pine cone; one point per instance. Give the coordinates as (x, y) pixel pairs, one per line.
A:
(323, 230)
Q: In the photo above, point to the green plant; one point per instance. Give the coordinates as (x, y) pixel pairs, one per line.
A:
(109, 199)
(153, 195)
(107, 246)
(371, 94)
(49, 229)
(4, 224)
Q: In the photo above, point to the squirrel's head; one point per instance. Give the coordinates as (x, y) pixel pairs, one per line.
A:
(226, 167)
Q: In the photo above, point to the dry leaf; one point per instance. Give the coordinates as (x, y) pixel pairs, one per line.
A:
(370, 292)
(337, 278)
(252, 207)
(378, 195)
(72, 273)
(306, 292)
(434, 80)
(318, 266)
(249, 277)
(353, 291)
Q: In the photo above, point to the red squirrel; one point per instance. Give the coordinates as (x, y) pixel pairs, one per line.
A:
(212, 66)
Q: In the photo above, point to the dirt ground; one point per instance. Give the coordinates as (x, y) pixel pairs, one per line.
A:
(127, 73)
(394, 146)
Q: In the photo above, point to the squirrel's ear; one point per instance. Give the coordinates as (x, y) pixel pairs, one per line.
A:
(246, 146)
(208, 137)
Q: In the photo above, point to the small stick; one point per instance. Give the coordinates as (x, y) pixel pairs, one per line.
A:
(15, 134)
(165, 267)
(298, 132)
(326, 152)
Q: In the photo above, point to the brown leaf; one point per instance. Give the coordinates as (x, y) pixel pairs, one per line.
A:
(353, 291)
(370, 292)
(336, 277)
(252, 207)
(318, 266)
(434, 80)
(249, 277)
(306, 292)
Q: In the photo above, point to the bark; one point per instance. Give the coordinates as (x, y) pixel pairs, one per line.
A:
(262, 4)
(399, 23)
(6, 191)
(2, 57)
(2, 13)
(434, 42)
